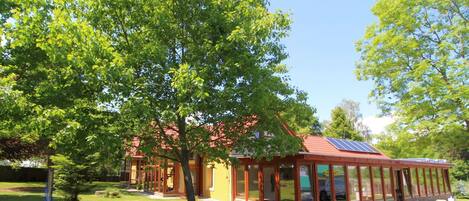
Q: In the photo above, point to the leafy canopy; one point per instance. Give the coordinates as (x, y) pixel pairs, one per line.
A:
(57, 75)
(202, 66)
(206, 75)
(416, 56)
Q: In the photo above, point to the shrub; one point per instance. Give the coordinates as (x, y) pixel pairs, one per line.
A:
(70, 177)
(139, 186)
(112, 193)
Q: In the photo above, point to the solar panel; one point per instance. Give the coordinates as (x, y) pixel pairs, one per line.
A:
(348, 145)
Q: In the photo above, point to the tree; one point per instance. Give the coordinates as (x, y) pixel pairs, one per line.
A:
(352, 109)
(416, 56)
(206, 76)
(341, 126)
(58, 74)
(73, 175)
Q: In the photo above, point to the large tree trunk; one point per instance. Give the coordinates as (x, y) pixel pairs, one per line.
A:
(190, 193)
(74, 195)
(50, 179)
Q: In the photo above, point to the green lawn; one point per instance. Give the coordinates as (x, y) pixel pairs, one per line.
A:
(34, 191)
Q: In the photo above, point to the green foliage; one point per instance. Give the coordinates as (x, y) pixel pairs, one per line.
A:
(58, 75)
(405, 145)
(341, 126)
(416, 56)
(461, 189)
(206, 70)
(209, 70)
(112, 193)
(72, 177)
(207, 63)
(460, 170)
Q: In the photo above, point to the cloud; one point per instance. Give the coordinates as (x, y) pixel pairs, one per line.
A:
(377, 124)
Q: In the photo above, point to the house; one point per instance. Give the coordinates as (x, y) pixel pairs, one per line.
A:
(326, 169)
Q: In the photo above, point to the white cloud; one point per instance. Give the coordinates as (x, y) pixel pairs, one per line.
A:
(377, 124)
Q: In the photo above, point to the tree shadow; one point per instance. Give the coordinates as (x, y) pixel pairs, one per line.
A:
(21, 197)
(23, 189)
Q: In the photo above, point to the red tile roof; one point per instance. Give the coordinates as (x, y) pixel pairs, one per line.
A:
(320, 146)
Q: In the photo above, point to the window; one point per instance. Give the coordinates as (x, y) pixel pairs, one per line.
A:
(240, 182)
(287, 185)
(170, 174)
(253, 182)
(406, 182)
(421, 177)
(193, 176)
(446, 179)
(366, 183)
(435, 183)
(269, 183)
(324, 187)
(339, 183)
(306, 183)
(212, 178)
(387, 184)
(354, 191)
(377, 185)
(415, 190)
(429, 182)
(440, 181)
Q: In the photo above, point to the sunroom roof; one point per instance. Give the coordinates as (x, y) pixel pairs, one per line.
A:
(424, 160)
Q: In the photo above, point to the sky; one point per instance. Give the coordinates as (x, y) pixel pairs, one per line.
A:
(322, 56)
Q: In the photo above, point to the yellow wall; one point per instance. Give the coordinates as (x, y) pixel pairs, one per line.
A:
(222, 186)
(221, 190)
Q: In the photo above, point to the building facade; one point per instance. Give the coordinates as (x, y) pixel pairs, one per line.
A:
(327, 169)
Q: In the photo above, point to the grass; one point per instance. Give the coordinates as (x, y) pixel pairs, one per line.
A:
(34, 191)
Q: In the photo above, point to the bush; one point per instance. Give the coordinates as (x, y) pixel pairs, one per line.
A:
(460, 190)
(460, 170)
(112, 193)
(139, 186)
(70, 177)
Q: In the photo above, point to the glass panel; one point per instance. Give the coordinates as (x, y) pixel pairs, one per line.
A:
(440, 180)
(269, 183)
(406, 183)
(170, 179)
(240, 182)
(377, 187)
(435, 184)
(421, 182)
(354, 193)
(287, 185)
(339, 183)
(306, 183)
(193, 176)
(429, 182)
(324, 182)
(447, 185)
(415, 190)
(366, 183)
(387, 184)
(211, 175)
(253, 182)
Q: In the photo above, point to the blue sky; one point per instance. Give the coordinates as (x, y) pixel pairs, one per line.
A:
(322, 55)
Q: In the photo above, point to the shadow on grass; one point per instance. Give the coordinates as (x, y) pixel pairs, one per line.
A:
(21, 197)
(23, 189)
